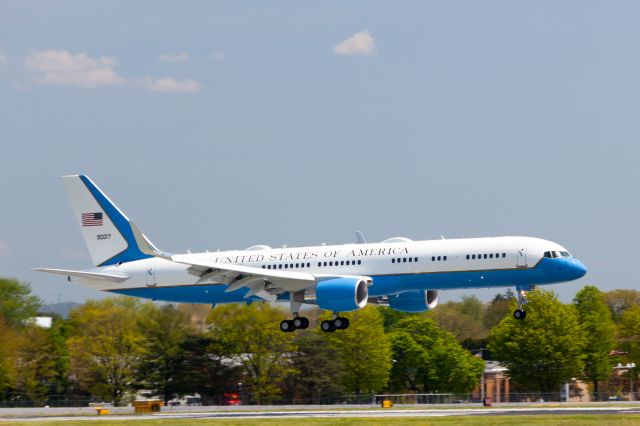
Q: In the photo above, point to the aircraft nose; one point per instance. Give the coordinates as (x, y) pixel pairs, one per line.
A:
(578, 269)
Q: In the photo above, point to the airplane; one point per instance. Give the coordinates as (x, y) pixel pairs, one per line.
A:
(402, 274)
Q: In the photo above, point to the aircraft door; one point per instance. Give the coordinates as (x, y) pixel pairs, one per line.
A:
(151, 276)
(521, 261)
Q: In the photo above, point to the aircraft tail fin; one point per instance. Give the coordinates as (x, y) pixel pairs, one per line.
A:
(107, 232)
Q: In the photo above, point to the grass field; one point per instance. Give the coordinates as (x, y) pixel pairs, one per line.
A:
(561, 420)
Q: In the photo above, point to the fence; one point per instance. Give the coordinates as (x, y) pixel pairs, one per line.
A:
(417, 399)
(18, 400)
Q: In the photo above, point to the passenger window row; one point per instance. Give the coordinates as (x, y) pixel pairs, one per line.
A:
(308, 265)
(486, 256)
(438, 258)
(287, 266)
(340, 263)
(404, 259)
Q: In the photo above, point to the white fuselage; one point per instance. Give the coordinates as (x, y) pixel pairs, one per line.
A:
(386, 259)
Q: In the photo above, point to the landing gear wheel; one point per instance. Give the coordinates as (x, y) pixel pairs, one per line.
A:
(300, 323)
(519, 314)
(287, 326)
(341, 323)
(327, 326)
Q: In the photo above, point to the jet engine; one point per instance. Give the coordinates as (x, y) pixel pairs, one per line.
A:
(414, 301)
(342, 294)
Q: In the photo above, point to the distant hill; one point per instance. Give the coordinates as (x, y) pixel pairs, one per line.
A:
(61, 309)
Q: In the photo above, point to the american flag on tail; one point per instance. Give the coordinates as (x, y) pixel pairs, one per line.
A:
(92, 219)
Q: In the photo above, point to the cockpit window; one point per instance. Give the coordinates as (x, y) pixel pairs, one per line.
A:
(553, 254)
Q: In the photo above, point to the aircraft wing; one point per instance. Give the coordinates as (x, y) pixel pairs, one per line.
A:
(241, 269)
(262, 283)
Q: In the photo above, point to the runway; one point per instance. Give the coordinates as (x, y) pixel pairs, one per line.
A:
(342, 413)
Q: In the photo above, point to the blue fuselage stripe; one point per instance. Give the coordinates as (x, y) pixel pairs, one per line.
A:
(547, 271)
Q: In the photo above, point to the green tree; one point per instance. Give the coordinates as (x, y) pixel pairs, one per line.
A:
(39, 366)
(409, 361)
(319, 367)
(364, 350)
(462, 319)
(164, 329)
(17, 304)
(204, 369)
(472, 307)
(545, 349)
(619, 301)
(105, 346)
(600, 333)
(26, 351)
(251, 337)
(10, 343)
(431, 359)
(390, 317)
(629, 334)
(498, 309)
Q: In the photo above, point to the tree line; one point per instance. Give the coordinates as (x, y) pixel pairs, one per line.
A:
(113, 348)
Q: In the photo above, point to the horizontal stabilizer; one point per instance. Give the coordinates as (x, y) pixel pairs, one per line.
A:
(117, 278)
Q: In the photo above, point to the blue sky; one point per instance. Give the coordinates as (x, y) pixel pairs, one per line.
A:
(227, 124)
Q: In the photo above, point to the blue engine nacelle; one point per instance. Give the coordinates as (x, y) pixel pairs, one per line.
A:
(342, 294)
(414, 301)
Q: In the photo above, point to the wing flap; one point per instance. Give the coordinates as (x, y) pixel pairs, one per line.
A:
(241, 276)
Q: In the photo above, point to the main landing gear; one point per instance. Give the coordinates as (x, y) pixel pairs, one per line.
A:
(521, 290)
(297, 323)
(338, 323)
(301, 323)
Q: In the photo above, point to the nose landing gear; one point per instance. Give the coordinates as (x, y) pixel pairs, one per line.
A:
(520, 314)
(521, 290)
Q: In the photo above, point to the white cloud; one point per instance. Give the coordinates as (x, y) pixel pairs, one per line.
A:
(90, 78)
(5, 248)
(180, 57)
(170, 84)
(62, 67)
(361, 43)
(3, 59)
(217, 56)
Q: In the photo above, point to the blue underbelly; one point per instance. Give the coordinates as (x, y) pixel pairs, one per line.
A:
(389, 284)
(382, 285)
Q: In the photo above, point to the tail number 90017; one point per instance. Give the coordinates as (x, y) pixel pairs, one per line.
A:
(104, 236)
